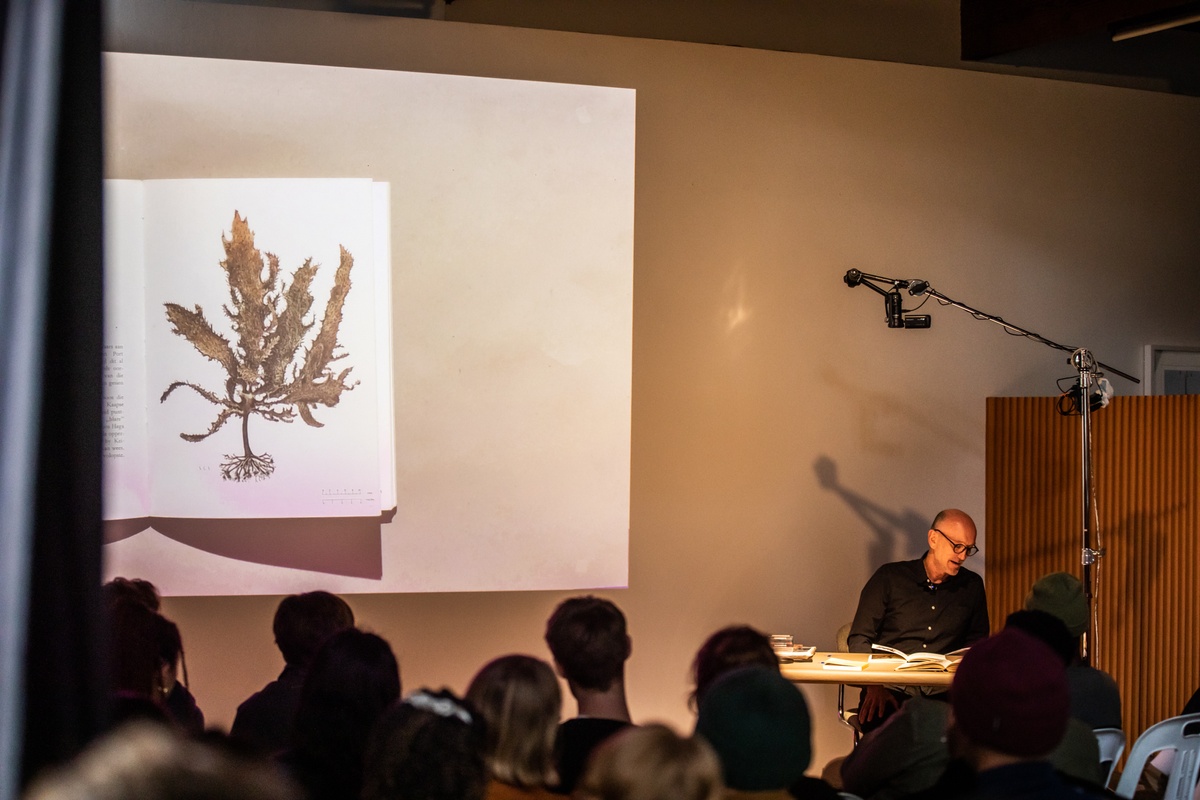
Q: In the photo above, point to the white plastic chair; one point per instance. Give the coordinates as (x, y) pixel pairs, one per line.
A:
(1181, 734)
(1112, 744)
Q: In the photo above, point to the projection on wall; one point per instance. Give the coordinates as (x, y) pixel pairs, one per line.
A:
(366, 331)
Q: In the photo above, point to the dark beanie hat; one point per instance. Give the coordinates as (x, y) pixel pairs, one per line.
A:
(757, 721)
(1061, 594)
(1010, 695)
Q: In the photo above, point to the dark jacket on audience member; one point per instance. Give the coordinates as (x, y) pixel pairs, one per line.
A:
(264, 721)
(577, 738)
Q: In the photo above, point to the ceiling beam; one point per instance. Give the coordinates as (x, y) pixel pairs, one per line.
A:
(992, 28)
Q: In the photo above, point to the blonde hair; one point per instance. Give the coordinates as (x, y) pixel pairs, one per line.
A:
(149, 761)
(652, 763)
(520, 702)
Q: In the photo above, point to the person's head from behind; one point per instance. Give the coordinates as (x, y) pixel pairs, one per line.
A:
(589, 642)
(758, 724)
(1009, 700)
(1061, 594)
(131, 590)
(304, 621)
(146, 647)
(352, 680)
(427, 747)
(1048, 629)
(146, 761)
(520, 702)
(651, 762)
(728, 649)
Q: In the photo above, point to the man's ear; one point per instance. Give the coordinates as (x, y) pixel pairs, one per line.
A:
(931, 538)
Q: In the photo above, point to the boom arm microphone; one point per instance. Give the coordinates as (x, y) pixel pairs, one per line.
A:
(893, 307)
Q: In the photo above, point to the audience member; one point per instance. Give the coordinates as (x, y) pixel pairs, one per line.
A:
(651, 763)
(590, 645)
(1011, 706)
(904, 755)
(177, 698)
(758, 724)
(520, 702)
(909, 754)
(1192, 706)
(1077, 756)
(1095, 698)
(135, 635)
(135, 590)
(353, 679)
(148, 761)
(726, 650)
(427, 747)
(303, 622)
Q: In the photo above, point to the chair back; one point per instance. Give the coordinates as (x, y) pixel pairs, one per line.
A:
(1112, 744)
(1181, 734)
(843, 638)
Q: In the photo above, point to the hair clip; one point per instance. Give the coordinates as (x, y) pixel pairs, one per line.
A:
(442, 706)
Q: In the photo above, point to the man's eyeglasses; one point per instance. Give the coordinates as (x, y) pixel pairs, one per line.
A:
(959, 549)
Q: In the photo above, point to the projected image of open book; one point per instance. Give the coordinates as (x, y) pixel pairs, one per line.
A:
(920, 662)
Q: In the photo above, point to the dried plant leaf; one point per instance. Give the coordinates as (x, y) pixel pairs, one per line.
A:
(192, 326)
(207, 395)
(321, 352)
(248, 291)
(218, 423)
(290, 327)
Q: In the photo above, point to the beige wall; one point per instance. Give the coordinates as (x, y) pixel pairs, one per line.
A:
(761, 178)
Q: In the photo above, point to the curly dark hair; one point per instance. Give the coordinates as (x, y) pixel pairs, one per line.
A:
(428, 747)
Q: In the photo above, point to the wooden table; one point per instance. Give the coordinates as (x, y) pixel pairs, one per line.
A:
(879, 671)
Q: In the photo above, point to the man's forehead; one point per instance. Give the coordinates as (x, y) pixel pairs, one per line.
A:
(959, 529)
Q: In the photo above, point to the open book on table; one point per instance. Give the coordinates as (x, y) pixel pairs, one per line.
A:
(920, 662)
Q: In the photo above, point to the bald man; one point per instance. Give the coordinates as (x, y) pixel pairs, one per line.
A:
(932, 604)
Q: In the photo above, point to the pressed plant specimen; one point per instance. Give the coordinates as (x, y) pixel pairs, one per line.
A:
(273, 370)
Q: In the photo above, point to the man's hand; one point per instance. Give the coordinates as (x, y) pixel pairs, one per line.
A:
(876, 703)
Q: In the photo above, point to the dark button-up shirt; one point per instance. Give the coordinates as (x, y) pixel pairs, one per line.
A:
(900, 608)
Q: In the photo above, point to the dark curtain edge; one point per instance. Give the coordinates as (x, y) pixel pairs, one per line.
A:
(66, 677)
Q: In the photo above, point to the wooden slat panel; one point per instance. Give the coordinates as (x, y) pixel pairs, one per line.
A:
(1146, 460)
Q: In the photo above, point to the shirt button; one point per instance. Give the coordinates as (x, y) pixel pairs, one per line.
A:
(929, 628)
(933, 607)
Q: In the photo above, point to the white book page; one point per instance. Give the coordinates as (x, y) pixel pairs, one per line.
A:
(125, 481)
(383, 346)
(316, 471)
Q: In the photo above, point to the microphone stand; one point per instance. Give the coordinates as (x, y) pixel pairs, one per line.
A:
(1086, 365)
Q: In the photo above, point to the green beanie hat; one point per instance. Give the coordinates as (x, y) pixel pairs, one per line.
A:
(1061, 594)
(758, 723)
